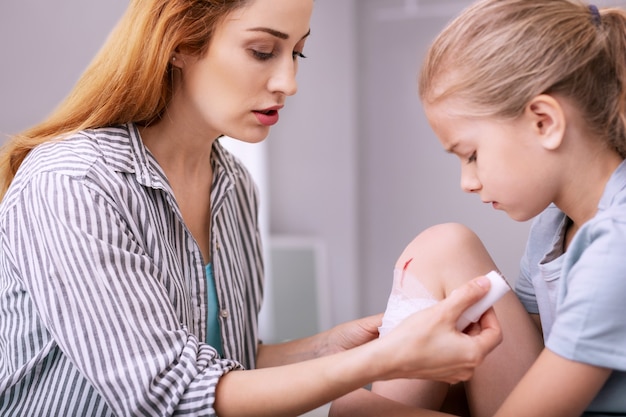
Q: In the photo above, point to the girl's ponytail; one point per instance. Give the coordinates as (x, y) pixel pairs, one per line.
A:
(614, 26)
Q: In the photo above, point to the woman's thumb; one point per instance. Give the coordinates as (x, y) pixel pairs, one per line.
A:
(466, 295)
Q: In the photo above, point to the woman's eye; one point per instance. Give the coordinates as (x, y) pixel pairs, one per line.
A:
(472, 158)
(298, 54)
(262, 56)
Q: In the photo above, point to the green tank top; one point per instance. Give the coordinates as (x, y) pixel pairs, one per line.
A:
(213, 334)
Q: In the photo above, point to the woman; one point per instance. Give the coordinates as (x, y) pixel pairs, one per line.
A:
(131, 270)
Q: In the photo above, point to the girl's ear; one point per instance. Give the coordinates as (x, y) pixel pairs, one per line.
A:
(548, 120)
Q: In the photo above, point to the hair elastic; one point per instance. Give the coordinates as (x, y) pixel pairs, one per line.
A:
(595, 15)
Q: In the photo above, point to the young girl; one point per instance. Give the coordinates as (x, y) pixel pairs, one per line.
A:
(531, 96)
(131, 274)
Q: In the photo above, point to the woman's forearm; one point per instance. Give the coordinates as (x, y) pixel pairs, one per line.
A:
(298, 350)
(291, 390)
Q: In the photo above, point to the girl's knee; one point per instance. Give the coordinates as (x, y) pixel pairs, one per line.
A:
(442, 240)
(444, 256)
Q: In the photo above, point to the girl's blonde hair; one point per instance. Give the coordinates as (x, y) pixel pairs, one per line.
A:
(130, 79)
(500, 54)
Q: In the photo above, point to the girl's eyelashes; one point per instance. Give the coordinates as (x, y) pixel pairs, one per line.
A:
(472, 158)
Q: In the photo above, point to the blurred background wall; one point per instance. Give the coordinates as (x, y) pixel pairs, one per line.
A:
(353, 169)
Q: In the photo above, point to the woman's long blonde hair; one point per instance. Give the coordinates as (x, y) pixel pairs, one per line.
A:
(499, 54)
(130, 79)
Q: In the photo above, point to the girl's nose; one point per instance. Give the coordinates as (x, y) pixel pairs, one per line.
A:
(469, 180)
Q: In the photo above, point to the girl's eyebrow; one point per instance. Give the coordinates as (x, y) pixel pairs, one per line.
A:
(276, 33)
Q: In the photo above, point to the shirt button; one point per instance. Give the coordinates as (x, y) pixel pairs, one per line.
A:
(217, 246)
(224, 314)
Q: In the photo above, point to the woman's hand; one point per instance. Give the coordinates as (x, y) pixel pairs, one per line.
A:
(338, 339)
(351, 334)
(426, 345)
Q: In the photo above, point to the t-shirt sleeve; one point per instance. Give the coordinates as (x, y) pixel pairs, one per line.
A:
(590, 323)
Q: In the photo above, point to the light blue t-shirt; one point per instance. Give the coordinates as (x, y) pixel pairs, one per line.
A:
(580, 294)
(213, 333)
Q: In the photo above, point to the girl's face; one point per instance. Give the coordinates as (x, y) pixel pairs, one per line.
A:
(501, 160)
(238, 87)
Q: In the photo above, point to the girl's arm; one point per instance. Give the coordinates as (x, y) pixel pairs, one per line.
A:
(572, 385)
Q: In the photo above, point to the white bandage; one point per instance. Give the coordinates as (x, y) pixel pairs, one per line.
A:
(408, 296)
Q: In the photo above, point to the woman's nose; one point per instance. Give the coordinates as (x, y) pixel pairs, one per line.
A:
(284, 78)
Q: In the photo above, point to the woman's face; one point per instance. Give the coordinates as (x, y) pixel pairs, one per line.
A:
(238, 87)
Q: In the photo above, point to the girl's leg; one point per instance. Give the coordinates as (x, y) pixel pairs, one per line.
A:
(442, 258)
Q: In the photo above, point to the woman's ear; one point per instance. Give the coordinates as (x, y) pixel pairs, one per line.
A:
(548, 120)
(177, 60)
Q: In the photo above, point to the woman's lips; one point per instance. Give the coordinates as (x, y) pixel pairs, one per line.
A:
(267, 118)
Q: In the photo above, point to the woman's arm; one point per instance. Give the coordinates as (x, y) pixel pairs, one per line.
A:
(572, 387)
(342, 337)
(425, 345)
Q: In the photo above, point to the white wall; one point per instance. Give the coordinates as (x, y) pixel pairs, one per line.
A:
(407, 181)
(352, 164)
(45, 47)
(355, 162)
(313, 153)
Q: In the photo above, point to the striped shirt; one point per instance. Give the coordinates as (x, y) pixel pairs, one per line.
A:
(103, 302)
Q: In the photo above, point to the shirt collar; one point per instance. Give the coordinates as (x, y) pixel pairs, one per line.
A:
(613, 187)
(127, 153)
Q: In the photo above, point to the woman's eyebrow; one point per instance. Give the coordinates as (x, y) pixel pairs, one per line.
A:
(276, 33)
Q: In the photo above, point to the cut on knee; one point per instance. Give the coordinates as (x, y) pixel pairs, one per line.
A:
(445, 256)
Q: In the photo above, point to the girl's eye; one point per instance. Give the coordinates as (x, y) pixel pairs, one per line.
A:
(472, 158)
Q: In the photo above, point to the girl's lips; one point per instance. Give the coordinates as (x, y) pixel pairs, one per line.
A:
(494, 204)
(267, 118)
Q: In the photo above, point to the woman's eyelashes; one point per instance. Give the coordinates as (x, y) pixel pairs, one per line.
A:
(265, 56)
(262, 56)
(472, 158)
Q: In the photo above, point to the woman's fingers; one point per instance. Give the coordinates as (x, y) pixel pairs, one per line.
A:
(429, 342)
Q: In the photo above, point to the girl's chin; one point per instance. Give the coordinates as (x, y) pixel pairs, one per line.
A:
(518, 217)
